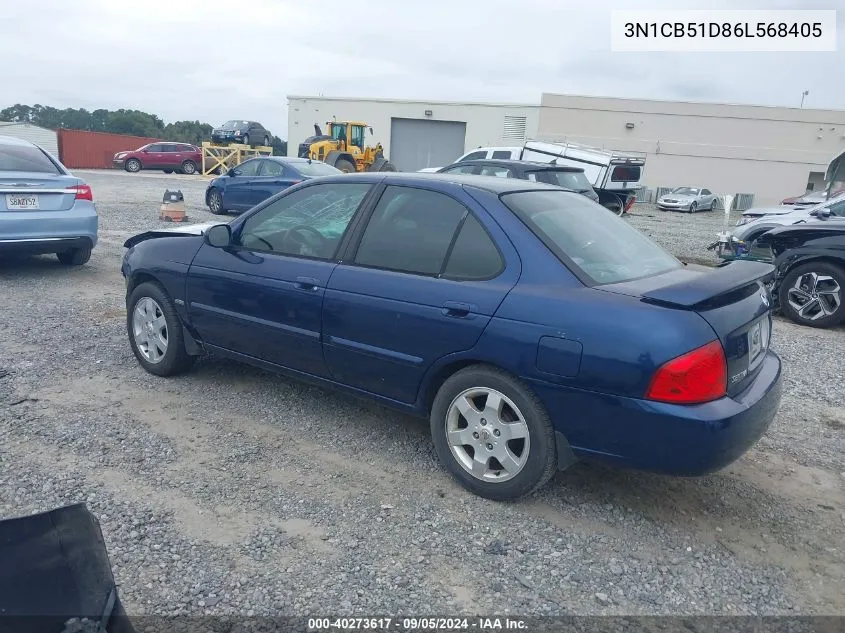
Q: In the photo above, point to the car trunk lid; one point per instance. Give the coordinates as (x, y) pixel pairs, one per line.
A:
(22, 191)
(732, 298)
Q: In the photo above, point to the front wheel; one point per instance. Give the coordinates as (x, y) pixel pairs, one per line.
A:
(215, 202)
(693, 207)
(615, 207)
(155, 331)
(246, 139)
(133, 165)
(266, 141)
(493, 434)
(811, 294)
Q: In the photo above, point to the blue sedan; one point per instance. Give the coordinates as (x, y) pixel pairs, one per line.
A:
(257, 179)
(529, 329)
(44, 208)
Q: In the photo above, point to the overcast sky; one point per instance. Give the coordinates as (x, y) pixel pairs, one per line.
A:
(214, 60)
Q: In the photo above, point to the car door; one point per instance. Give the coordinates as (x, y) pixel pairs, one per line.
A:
(262, 297)
(271, 178)
(238, 192)
(172, 156)
(706, 198)
(423, 281)
(154, 157)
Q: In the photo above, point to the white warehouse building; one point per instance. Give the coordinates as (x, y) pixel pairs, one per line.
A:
(770, 152)
(47, 139)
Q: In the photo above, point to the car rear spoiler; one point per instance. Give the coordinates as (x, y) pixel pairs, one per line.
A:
(729, 277)
(54, 567)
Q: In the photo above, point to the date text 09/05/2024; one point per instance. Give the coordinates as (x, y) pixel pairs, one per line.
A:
(415, 624)
(723, 29)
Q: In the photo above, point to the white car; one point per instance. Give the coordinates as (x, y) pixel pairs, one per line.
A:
(505, 153)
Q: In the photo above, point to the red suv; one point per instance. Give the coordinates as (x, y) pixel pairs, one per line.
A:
(168, 157)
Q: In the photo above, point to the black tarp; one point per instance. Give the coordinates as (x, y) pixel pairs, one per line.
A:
(53, 567)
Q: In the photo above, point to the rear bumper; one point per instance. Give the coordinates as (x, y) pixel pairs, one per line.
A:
(665, 438)
(49, 231)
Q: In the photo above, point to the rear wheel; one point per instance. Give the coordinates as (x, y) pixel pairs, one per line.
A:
(493, 434)
(388, 166)
(167, 171)
(133, 165)
(713, 205)
(155, 331)
(215, 202)
(246, 139)
(74, 257)
(345, 166)
(266, 141)
(812, 294)
(615, 207)
(189, 167)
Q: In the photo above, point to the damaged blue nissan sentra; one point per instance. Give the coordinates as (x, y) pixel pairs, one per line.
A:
(530, 329)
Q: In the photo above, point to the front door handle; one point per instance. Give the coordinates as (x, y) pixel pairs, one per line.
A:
(306, 283)
(456, 309)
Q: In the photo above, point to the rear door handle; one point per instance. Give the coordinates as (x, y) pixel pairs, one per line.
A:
(306, 283)
(456, 309)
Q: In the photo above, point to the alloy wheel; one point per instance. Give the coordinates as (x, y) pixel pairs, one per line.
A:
(149, 329)
(815, 296)
(487, 434)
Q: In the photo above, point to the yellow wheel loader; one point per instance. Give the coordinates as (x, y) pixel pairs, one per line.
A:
(345, 148)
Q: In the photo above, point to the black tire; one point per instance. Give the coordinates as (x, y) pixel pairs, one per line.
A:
(175, 359)
(345, 166)
(75, 257)
(713, 205)
(820, 268)
(167, 171)
(615, 207)
(246, 139)
(215, 202)
(133, 165)
(388, 166)
(693, 207)
(541, 462)
(189, 167)
(266, 141)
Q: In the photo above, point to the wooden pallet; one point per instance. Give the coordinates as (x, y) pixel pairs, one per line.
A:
(224, 157)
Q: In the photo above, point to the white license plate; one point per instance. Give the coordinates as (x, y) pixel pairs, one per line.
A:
(21, 202)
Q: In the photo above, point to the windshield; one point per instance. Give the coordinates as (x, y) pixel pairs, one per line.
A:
(686, 191)
(315, 168)
(25, 158)
(598, 244)
(575, 180)
(232, 125)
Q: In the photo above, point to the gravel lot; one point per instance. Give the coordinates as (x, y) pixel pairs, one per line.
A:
(234, 491)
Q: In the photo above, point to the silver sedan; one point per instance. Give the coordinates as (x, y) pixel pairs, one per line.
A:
(689, 199)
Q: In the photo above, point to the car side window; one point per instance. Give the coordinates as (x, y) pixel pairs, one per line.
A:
(502, 153)
(270, 168)
(248, 168)
(499, 172)
(308, 223)
(463, 169)
(837, 209)
(474, 255)
(170, 148)
(155, 147)
(475, 155)
(705, 192)
(410, 231)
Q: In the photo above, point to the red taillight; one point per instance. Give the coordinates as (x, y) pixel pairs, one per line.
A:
(630, 203)
(698, 376)
(83, 192)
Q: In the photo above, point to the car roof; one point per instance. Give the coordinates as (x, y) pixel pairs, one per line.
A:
(517, 164)
(488, 183)
(12, 140)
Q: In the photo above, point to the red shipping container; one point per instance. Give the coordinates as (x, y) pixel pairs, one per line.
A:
(80, 149)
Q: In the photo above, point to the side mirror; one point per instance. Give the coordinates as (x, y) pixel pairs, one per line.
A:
(145, 151)
(821, 213)
(371, 130)
(219, 236)
(234, 171)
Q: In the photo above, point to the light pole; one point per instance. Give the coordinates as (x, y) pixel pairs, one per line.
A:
(803, 94)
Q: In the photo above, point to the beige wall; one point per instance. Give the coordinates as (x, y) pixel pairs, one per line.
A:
(766, 151)
(484, 122)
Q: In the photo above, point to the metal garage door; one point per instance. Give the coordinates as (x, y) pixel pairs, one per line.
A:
(419, 143)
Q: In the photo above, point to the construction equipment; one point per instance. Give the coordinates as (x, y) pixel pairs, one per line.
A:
(344, 147)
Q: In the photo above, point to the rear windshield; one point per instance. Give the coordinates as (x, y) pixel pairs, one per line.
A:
(599, 246)
(315, 168)
(575, 180)
(625, 173)
(25, 158)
